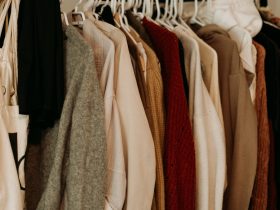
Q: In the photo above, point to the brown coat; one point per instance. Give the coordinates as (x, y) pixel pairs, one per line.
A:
(239, 118)
(260, 191)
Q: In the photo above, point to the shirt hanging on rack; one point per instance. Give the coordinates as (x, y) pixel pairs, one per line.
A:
(40, 58)
(247, 52)
(156, 120)
(208, 135)
(239, 119)
(104, 54)
(139, 152)
(136, 24)
(179, 156)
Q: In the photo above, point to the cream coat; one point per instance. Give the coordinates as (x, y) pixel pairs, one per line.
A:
(209, 134)
(104, 56)
(138, 147)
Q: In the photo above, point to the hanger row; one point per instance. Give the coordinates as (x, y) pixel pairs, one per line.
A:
(171, 16)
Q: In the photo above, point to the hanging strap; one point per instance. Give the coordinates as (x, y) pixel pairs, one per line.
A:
(4, 12)
(8, 54)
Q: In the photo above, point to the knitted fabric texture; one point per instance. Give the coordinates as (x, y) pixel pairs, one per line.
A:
(75, 172)
(260, 190)
(155, 117)
(179, 154)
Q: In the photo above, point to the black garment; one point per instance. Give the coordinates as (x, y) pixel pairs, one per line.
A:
(183, 70)
(40, 63)
(106, 14)
(272, 75)
(272, 32)
(2, 37)
(263, 3)
(136, 24)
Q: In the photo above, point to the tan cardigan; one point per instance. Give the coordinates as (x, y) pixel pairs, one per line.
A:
(138, 146)
(155, 113)
(239, 117)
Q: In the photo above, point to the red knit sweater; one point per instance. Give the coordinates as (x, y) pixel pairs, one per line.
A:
(179, 155)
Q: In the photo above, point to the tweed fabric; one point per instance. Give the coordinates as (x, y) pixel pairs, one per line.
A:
(76, 146)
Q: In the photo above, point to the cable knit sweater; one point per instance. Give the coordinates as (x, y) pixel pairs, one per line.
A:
(179, 155)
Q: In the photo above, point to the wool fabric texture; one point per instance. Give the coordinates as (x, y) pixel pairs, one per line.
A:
(74, 162)
(260, 190)
(156, 117)
(179, 154)
(272, 76)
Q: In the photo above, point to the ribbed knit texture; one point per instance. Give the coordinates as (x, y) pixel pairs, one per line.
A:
(155, 117)
(272, 189)
(260, 190)
(272, 78)
(179, 154)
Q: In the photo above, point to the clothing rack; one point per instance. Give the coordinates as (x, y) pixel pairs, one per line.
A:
(139, 105)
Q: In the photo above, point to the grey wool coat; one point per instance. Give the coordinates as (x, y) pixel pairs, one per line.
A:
(73, 153)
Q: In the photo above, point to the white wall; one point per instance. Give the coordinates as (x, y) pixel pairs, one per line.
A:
(275, 6)
(68, 5)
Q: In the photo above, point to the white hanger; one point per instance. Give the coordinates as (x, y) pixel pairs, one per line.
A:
(136, 6)
(180, 15)
(64, 15)
(173, 20)
(194, 19)
(104, 5)
(123, 19)
(76, 12)
(92, 4)
(114, 5)
(161, 20)
(150, 13)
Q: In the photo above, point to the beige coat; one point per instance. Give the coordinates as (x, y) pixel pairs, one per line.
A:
(138, 146)
(239, 118)
(209, 136)
(104, 56)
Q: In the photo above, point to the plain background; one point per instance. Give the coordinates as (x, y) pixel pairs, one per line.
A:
(68, 5)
